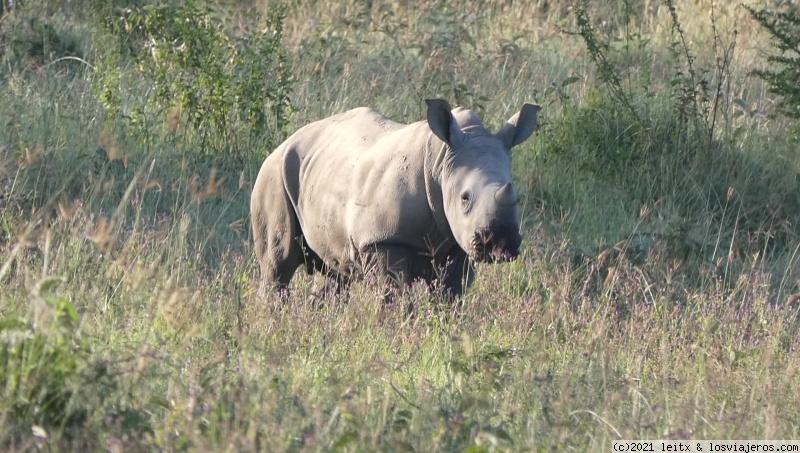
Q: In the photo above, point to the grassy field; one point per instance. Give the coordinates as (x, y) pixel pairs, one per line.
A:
(657, 295)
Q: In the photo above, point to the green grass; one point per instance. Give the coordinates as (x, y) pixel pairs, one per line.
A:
(656, 297)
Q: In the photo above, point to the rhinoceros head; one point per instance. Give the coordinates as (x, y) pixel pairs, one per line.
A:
(480, 202)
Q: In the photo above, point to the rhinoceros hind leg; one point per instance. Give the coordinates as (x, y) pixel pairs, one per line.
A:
(276, 232)
(278, 265)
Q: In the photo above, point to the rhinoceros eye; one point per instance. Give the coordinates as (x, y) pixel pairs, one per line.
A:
(466, 199)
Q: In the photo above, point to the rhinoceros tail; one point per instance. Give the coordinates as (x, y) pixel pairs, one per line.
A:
(290, 175)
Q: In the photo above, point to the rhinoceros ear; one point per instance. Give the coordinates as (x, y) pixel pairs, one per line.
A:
(443, 124)
(519, 127)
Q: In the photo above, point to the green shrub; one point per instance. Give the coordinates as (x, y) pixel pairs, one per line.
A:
(784, 79)
(231, 88)
(40, 363)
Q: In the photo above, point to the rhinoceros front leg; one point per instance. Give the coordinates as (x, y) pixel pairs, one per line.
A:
(390, 265)
(458, 274)
(332, 285)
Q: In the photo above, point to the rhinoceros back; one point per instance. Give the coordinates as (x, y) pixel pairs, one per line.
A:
(357, 180)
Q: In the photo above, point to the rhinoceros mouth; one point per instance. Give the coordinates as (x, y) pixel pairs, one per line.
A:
(495, 245)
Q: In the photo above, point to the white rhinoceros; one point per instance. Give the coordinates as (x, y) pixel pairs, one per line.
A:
(358, 193)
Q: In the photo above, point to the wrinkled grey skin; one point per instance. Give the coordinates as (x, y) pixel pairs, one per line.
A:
(358, 193)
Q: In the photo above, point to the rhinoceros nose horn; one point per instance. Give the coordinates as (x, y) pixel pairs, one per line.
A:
(506, 195)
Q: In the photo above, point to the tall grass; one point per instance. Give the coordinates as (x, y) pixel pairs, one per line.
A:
(656, 296)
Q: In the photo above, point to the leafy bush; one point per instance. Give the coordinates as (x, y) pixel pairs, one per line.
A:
(39, 364)
(784, 80)
(231, 88)
(55, 388)
(639, 135)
